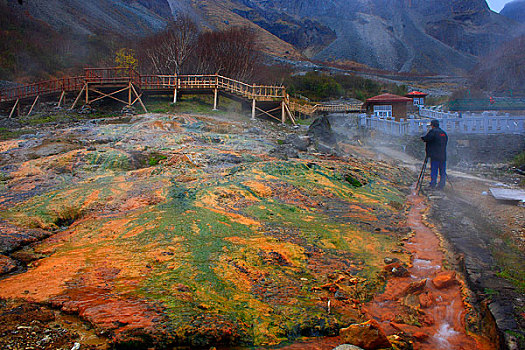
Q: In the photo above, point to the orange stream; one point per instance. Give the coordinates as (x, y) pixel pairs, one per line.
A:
(442, 324)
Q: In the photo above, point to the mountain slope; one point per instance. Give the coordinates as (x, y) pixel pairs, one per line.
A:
(424, 36)
(515, 10)
(421, 35)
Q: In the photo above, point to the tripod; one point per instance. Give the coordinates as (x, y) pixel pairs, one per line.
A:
(421, 175)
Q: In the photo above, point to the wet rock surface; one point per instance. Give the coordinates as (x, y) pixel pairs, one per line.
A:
(173, 230)
(368, 335)
(31, 326)
(475, 241)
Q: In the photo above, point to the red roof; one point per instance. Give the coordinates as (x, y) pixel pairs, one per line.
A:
(388, 98)
(416, 94)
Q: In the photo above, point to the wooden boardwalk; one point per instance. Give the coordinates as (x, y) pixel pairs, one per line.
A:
(100, 83)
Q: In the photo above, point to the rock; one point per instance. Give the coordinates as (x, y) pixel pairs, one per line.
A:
(86, 109)
(401, 342)
(444, 279)
(254, 130)
(426, 299)
(415, 287)
(284, 152)
(347, 347)
(411, 301)
(300, 143)
(6, 264)
(396, 269)
(368, 335)
(420, 336)
(323, 148)
(321, 131)
(389, 261)
(128, 110)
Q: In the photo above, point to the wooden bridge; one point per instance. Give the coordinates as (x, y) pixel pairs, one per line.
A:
(99, 83)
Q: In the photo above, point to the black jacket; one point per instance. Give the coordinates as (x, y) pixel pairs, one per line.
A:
(436, 147)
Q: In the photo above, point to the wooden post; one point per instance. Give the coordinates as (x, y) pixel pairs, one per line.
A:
(87, 93)
(129, 94)
(33, 105)
(215, 98)
(175, 96)
(283, 113)
(61, 98)
(253, 109)
(14, 108)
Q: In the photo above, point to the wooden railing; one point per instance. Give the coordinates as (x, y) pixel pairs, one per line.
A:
(310, 109)
(41, 88)
(123, 76)
(159, 82)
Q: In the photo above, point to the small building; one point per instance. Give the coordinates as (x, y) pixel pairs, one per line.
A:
(388, 106)
(417, 97)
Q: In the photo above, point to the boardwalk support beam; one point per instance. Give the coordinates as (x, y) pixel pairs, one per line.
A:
(61, 98)
(33, 105)
(78, 97)
(14, 108)
(215, 98)
(253, 109)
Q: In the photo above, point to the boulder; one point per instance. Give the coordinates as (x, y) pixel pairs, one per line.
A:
(284, 152)
(415, 287)
(445, 279)
(6, 264)
(426, 299)
(300, 143)
(321, 130)
(411, 301)
(368, 335)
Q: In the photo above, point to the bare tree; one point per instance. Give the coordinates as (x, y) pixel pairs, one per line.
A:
(232, 52)
(169, 50)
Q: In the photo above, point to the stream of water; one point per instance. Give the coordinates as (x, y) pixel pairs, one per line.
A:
(439, 325)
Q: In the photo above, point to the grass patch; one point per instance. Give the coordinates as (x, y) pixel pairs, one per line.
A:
(196, 103)
(7, 134)
(156, 158)
(519, 160)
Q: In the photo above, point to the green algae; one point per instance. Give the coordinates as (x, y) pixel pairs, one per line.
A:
(216, 252)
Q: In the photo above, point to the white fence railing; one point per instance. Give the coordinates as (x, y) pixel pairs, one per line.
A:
(452, 123)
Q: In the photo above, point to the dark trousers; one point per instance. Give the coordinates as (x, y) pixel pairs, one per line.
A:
(435, 166)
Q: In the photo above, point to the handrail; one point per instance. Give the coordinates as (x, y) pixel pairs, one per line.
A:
(120, 76)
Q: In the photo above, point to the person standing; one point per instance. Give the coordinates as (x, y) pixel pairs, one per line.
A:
(436, 148)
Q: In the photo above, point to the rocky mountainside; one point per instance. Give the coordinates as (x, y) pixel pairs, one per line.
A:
(515, 10)
(437, 36)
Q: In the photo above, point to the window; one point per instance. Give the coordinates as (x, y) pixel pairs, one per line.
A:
(384, 111)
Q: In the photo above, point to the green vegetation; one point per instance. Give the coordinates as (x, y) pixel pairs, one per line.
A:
(194, 104)
(155, 158)
(519, 160)
(6, 134)
(511, 263)
(318, 86)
